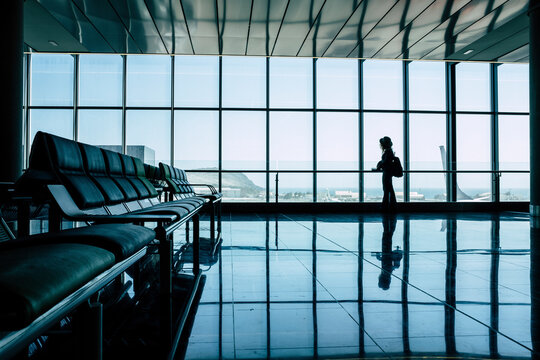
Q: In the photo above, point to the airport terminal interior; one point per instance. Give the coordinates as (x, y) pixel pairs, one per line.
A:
(201, 179)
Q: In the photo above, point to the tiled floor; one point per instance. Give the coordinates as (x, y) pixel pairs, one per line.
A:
(342, 286)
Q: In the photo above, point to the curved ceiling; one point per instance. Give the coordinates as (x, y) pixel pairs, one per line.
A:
(476, 30)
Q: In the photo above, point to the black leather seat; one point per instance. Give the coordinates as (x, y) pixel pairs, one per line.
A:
(182, 189)
(123, 240)
(67, 161)
(96, 169)
(179, 185)
(115, 171)
(35, 278)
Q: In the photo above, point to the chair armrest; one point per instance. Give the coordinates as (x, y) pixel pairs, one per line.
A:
(212, 188)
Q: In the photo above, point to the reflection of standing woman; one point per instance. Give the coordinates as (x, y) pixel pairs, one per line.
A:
(389, 197)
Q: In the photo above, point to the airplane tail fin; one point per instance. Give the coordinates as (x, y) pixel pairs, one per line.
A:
(459, 193)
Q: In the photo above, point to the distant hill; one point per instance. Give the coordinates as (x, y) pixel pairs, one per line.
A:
(229, 180)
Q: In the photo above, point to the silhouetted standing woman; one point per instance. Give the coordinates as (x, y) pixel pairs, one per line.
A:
(385, 165)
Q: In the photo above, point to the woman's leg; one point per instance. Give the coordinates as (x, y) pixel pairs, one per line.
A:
(392, 197)
(387, 189)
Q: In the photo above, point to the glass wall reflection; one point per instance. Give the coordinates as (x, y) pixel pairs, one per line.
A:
(371, 285)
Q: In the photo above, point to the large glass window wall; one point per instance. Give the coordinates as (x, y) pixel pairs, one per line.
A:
(296, 129)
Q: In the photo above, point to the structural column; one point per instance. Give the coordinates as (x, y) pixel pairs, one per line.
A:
(534, 90)
(11, 125)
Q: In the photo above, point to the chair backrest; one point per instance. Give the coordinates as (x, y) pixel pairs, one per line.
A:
(115, 170)
(94, 163)
(168, 176)
(182, 180)
(176, 180)
(67, 163)
(130, 173)
(141, 176)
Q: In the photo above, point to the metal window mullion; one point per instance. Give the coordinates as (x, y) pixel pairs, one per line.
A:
(268, 132)
(172, 111)
(27, 108)
(451, 181)
(406, 180)
(314, 93)
(220, 125)
(76, 98)
(495, 178)
(360, 131)
(124, 101)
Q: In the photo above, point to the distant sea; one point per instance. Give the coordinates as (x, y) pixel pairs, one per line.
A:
(429, 193)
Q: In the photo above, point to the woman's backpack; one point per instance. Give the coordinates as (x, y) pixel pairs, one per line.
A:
(397, 169)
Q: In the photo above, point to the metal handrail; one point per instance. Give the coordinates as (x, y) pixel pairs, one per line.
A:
(362, 171)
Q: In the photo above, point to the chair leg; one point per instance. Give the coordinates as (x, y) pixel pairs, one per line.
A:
(212, 223)
(196, 233)
(165, 288)
(90, 331)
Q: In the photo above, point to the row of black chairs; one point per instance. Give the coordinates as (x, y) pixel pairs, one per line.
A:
(110, 192)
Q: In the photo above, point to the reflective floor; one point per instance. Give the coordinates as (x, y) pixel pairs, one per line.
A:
(342, 286)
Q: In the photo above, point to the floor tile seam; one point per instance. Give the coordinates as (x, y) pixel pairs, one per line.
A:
(333, 297)
(419, 289)
(487, 280)
(460, 311)
(394, 275)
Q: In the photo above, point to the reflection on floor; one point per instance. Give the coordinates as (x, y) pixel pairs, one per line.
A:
(336, 286)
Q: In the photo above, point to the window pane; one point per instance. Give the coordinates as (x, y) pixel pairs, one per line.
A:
(376, 126)
(474, 187)
(196, 81)
(383, 84)
(244, 140)
(148, 80)
(291, 83)
(100, 80)
(244, 187)
(244, 82)
(56, 122)
(514, 142)
(473, 142)
(515, 187)
(196, 139)
(373, 187)
(513, 87)
(210, 178)
(337, 187)
(472, 87)
(473, 153)
(427, 83)
(337, 84)
(101, 127)
(514, 155)
(52, 80)
(427, 135)
(292, 187)
(427, 144)
(337, 141)
(427, 187)
(151, 129)
(291, 141)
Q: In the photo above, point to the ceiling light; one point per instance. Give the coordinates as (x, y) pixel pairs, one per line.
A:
(53, 43)
(468, 51)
